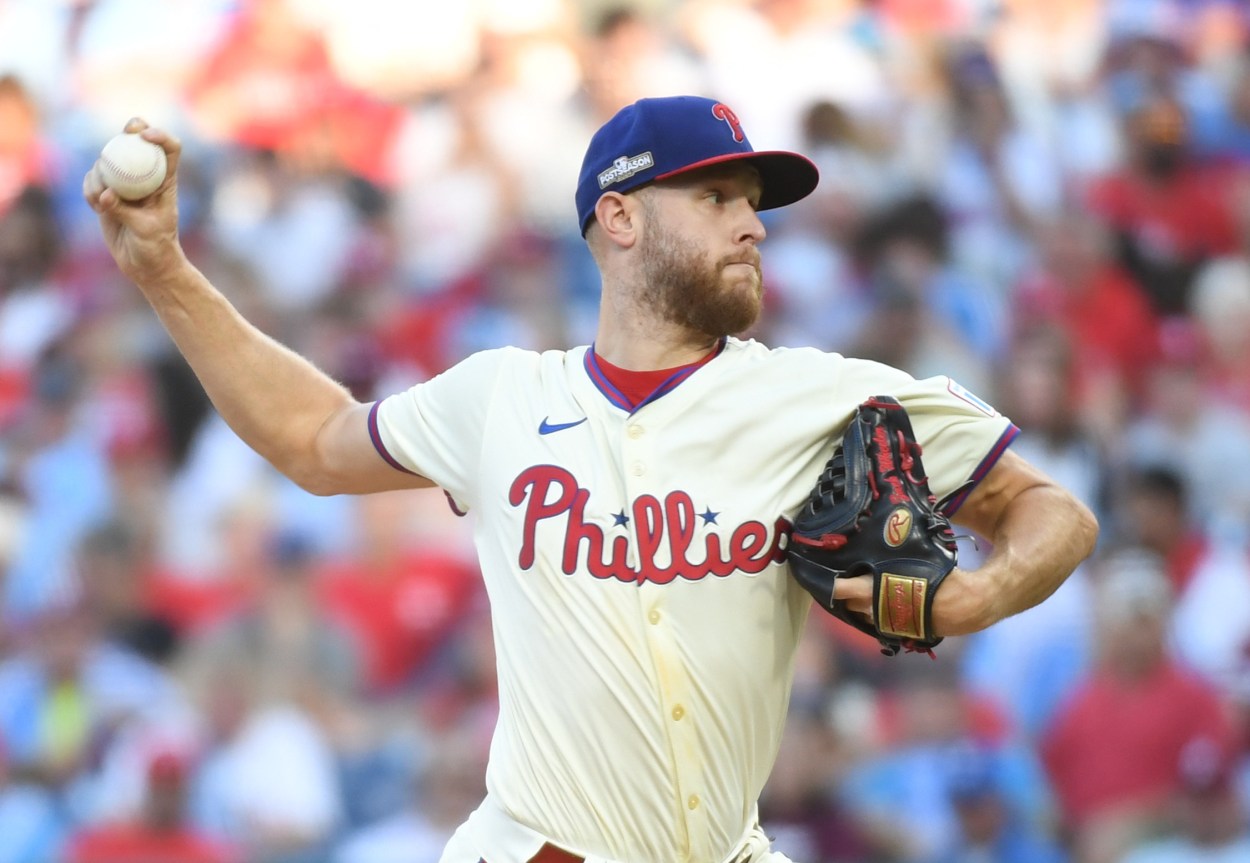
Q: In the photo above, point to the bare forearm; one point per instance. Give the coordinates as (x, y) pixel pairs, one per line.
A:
(273, 399)
(1042, 535)
(1045, 534)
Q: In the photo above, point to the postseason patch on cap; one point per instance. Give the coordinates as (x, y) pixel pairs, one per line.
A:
(624, 167)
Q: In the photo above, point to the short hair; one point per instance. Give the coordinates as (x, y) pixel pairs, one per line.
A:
(1161, 480)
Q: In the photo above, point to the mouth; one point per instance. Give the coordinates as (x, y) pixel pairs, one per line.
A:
(754, 266)
(752, 261)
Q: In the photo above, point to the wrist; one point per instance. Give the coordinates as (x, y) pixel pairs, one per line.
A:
(165, 273)
(963, 604)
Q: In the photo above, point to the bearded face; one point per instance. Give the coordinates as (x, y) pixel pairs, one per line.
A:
(685, 286)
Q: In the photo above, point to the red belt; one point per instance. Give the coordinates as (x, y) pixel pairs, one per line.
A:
(551, 854)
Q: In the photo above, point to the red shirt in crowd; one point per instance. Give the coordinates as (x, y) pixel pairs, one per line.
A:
(400, 611)
(1109, 323)
(135, 843)
(1187, 217)
(270, 84)
(1118, 743)
(193, 605)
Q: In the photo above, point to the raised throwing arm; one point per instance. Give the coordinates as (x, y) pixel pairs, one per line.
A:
(305, 423)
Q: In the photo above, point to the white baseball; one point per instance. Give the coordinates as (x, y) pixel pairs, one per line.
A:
(132, 166)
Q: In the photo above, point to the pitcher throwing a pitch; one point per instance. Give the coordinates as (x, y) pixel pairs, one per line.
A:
(633, 497)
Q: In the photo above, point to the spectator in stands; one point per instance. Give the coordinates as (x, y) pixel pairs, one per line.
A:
(160, 832)
(1178, 425)
(268, 83)
(992, 828)
(32, 826)
(1078, 287)
(800, 808)
(1224, 133)
(400, 601)
(294, 652)
(1170, 212)
(1220, 309)
(198, 601)
(1151, 511)
(1220, 654)
(62, 470)
(67, 696)
(1028, 665)
(930, 317)
(112, 573)
(816, 297)
(928, 726)
(279, 676)
(34, 312)
(268, 782)
(1209, 822)
(448, 788)
(26, 155)
(998, 180)
(629, 56)
(1111, 796)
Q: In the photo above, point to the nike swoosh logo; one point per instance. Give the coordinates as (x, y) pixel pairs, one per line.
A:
(545, 427)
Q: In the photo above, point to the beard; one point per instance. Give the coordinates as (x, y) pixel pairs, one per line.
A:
(685, 289)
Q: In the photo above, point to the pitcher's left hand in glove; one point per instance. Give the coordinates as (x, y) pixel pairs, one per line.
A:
(871, 513)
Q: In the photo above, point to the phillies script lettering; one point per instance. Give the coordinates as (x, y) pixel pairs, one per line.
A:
(549, 492)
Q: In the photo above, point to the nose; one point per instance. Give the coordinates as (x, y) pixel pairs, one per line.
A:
(752, 229)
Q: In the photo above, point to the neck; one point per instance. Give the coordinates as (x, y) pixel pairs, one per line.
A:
(635, 338)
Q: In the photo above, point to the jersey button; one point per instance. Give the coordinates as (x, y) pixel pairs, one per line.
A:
(693, 802)
(638, 468)
(636, 431)
(678, 712)
(654, 617)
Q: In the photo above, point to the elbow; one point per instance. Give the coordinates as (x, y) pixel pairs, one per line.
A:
(1085, 530)
(318, 486)
(321, 480)
(313, 477)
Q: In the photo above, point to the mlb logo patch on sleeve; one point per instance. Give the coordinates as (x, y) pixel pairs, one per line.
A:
(971, 398)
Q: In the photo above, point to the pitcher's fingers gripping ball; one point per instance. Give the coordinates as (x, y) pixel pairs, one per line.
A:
(132, 166)
(871, 513)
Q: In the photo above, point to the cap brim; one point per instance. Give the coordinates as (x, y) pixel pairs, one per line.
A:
(785, 177)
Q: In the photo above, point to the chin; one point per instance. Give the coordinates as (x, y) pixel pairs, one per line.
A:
(745, 282)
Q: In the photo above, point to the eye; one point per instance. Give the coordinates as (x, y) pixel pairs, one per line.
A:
(716, 196)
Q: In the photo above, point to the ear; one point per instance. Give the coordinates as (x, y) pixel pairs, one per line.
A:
(617, 216)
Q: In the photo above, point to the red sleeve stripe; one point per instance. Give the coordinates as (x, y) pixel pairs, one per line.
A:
(451, 502)
(376, 437)
(952, 505)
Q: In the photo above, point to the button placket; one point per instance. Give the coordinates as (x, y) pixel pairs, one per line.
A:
(638, 460)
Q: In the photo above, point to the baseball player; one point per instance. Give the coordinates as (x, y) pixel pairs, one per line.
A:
(632, 496)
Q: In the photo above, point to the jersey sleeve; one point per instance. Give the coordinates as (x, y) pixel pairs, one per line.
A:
(961, 435)
(435, 428)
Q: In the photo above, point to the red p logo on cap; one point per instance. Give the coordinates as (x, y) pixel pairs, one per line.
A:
(721, 111)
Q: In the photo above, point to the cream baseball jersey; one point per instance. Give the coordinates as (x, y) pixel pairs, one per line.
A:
(644, 617)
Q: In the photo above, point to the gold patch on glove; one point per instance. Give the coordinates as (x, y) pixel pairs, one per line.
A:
(900, 606)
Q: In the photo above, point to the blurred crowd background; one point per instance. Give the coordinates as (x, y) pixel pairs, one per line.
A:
(1048, 200)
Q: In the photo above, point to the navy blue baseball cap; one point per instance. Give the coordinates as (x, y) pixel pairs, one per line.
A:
(654, 139)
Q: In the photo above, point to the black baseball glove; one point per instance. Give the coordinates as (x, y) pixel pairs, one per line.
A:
(871, 513)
